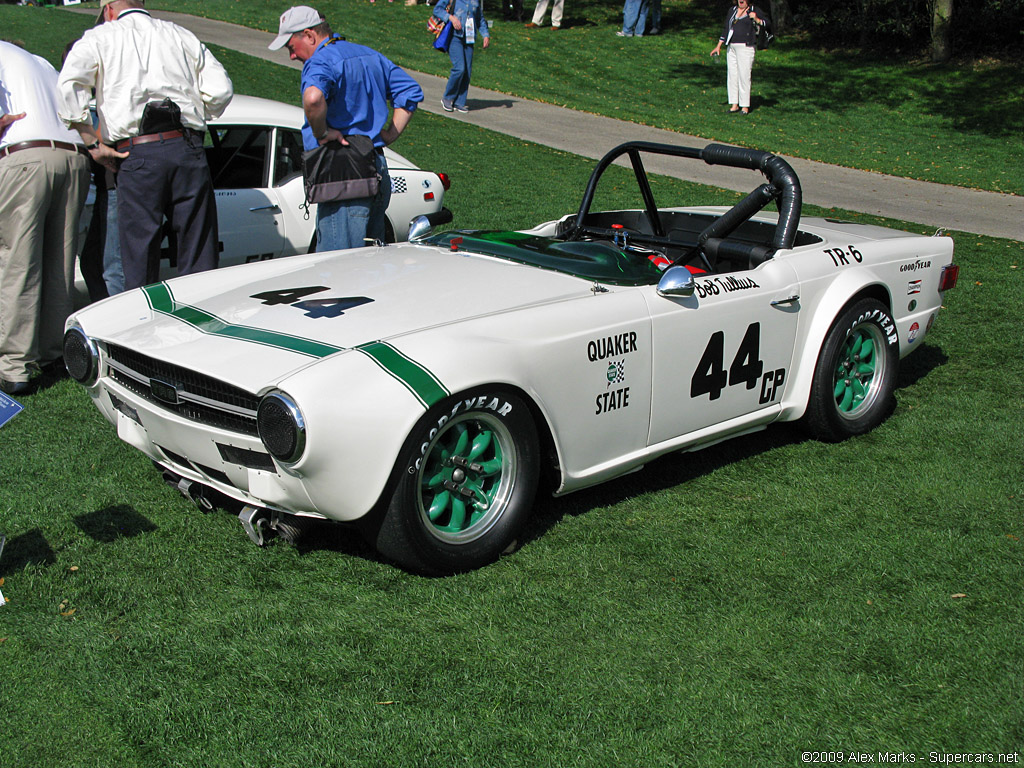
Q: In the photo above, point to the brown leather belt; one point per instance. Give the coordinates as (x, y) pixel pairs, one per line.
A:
(41, 143)
(148, 138)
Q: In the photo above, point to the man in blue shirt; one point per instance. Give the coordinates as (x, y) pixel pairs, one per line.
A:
(347, 90)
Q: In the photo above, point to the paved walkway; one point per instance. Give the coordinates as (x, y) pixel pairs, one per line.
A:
(592, 136)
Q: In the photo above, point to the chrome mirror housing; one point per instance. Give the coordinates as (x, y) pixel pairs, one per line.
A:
(676, 282)
(419, 228)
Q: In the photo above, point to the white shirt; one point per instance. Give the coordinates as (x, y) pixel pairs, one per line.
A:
(28, 84)
(134, 60)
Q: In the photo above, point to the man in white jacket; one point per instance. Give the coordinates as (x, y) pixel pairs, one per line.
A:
(156, 86)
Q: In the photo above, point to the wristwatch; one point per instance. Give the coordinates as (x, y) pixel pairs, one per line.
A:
(92, 146)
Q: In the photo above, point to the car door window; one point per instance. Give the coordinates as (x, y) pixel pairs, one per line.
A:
(237, 156)
(287, 156)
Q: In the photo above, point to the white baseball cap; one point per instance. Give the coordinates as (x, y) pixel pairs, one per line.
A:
(295, 20)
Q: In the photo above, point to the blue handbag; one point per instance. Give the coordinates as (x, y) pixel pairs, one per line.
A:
(444, 39)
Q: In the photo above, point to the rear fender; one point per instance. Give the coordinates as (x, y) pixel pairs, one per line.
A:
(843, 290)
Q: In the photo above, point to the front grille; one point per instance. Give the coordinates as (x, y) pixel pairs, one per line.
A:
(182, 391)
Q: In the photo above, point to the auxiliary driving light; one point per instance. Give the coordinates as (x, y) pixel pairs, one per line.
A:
(281, 426)
(81, 357)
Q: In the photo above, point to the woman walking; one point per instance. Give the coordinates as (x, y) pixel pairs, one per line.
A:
(738, 37)
(468, 22)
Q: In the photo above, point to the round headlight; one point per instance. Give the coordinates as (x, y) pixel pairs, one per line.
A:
(81, 357)
(281, 426)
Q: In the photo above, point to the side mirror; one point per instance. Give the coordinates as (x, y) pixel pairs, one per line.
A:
(676, 282)
(420, 226)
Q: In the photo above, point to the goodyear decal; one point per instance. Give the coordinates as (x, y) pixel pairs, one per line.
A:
(422, 383)
(418, 380)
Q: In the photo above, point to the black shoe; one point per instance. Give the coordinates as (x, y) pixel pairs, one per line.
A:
(15, 387)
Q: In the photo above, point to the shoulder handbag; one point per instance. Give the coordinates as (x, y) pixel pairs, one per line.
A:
(762, 36)
(444, 40)
(435, 25)
(333, 171)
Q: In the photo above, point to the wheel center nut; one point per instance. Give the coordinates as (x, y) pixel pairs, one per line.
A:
(458, 476)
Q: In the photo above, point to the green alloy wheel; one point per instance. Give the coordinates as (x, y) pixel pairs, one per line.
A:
(856, 373)
(466, 478)
(858, 370)
(466, 483)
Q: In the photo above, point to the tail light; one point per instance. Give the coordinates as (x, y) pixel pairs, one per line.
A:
(446, 181)
(948, 276)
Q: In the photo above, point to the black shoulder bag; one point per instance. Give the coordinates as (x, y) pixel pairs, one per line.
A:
(333, 171)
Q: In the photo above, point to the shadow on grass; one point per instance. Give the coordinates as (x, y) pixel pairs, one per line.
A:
(30, 548)
(112, 523)
(663, 473)
(920, 364)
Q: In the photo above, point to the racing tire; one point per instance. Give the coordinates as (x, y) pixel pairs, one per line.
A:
(466, 481)
(854, 380)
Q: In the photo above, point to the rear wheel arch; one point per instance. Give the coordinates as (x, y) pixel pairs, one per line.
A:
(820, 324)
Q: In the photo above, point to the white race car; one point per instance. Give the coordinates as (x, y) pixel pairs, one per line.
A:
(422, 389)
(255, 155)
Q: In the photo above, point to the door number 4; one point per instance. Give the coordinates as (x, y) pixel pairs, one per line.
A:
(747, 368)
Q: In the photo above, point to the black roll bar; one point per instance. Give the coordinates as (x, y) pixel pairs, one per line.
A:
(783, 186)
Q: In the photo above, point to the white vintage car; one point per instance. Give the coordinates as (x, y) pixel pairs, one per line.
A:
(422, 389)
(255, 155)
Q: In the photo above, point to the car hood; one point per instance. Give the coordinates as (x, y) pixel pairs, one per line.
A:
(254, 324)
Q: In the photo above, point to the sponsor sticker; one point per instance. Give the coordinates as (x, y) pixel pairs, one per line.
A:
(912, 334)
(616, 372)
(914, 286)
(915, 265)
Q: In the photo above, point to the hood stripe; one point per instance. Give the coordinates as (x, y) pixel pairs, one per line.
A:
(421, 382)
(162, 300)
(423, 385)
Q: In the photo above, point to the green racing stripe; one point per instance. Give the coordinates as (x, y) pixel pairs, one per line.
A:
(424, 386)
(421, 382)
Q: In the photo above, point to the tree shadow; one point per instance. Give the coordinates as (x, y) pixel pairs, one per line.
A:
(811, 79)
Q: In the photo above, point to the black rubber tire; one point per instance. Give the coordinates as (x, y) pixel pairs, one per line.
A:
(826, 418)
(409, 537)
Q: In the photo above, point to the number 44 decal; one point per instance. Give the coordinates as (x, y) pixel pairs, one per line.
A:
(747, 368)
(315, 308)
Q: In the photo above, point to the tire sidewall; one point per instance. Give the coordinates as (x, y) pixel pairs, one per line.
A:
(824, 416)
(404, 535)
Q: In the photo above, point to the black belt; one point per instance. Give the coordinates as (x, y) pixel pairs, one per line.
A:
(40, 144)
(148, 138)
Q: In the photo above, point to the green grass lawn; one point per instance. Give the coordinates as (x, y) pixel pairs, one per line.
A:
(957, 124)
(733, 607)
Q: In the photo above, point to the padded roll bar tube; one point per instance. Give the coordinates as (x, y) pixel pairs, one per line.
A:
(781, 176)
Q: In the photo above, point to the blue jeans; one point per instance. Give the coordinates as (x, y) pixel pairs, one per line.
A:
(113, 272)
(348, 223)
(634, 16)
(462, 67)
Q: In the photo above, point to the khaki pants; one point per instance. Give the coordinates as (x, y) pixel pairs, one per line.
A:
(42, 192)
